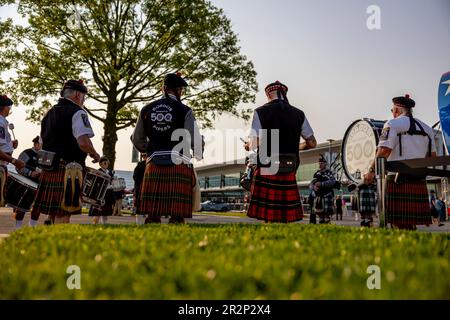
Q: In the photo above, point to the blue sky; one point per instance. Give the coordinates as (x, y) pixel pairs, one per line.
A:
(337, 69)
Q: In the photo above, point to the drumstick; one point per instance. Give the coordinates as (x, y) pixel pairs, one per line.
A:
(11, 127)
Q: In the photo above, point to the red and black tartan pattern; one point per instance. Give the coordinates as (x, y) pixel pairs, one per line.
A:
(407, 204)
(275, 198)
(50, 195)
(167, 191)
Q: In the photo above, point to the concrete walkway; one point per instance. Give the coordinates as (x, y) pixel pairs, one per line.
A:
(7, 224)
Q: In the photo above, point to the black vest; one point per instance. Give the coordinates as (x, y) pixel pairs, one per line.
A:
(56, 132)
(288, 120)
(322, 177)
(161, 118)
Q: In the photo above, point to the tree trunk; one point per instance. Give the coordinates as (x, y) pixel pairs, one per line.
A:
(110, 137)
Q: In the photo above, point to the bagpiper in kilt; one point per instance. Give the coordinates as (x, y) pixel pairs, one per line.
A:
(405, 137)
(66, 134)
(323, 183)
(169, 179)
(274, 191)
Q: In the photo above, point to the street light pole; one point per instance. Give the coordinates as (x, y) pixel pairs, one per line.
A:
(330, 141)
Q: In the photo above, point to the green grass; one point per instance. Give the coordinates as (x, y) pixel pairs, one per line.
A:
(223, 262)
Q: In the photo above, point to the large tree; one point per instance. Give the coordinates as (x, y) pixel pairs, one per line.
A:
(123, 49)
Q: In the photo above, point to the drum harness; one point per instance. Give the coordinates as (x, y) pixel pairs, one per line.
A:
(413, 131)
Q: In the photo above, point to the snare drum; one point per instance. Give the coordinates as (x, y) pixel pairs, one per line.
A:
(95, 185)
(118, 184)
(20, 192)
(359, 147)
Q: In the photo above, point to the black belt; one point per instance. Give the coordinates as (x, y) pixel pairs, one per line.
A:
(404, 178)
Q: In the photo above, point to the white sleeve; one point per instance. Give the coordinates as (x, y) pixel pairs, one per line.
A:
(3, 133)
(256, 126)
(389, 136)
(307, 131)
(433, 140)
(81, 125)
(255, 132)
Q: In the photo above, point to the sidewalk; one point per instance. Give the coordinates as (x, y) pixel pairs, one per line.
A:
(7, 223)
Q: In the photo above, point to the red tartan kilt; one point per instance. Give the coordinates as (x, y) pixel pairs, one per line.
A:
(167, 191)
(50, 195)
(275, 198)
(407, 203)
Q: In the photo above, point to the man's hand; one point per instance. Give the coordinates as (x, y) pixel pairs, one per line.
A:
(317, 186)
(95, 156)
(369, 177)
(247, 146)
(35, 174)
(19, 164)
(15, 144)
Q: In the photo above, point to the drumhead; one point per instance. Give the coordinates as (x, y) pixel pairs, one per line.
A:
(97, 173)
(359, 147)
(23, 180)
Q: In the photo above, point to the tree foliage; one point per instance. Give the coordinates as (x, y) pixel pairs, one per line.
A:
(123, 49)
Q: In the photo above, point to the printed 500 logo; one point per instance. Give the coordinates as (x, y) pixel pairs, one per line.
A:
(160, 117)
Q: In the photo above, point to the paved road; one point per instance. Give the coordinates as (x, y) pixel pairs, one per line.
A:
(7, 223)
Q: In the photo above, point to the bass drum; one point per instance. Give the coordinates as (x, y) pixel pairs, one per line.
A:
(359, 147)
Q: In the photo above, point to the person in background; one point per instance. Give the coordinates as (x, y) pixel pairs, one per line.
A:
(102, 213)
(441, 209)
(138, 177)
(434, 210)
(118, 196)
(32, 172)
(323, 184)
(338, 207)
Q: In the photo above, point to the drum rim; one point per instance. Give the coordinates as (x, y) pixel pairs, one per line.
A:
(344, 143)
(97, 172)
(14, 176)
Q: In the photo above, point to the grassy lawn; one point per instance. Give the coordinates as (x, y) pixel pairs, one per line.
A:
(223, 262)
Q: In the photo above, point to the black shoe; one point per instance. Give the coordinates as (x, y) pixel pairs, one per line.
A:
(441, 224)
(322, 221)
(48, 222)
(153, 220)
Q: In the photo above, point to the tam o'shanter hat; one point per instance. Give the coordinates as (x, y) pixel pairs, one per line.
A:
(77, 85)
(5, 101)
(103, 159)
(174, 80)
(322, 159)
(405, 101)
(276, 86)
